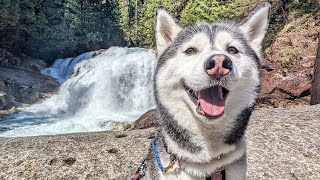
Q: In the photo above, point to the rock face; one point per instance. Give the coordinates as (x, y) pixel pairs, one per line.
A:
(7, 59)
(282, 144)
(289, 60)
(21, 86)
(279, 90)
(147, 120)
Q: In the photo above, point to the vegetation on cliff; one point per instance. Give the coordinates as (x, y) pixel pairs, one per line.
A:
(51, 29)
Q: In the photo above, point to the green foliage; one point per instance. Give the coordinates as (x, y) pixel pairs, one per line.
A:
(287, 28)
(140, 31)
(52, 29)
(302, 7)
(214, 10)
(60, 28)
(288, 56)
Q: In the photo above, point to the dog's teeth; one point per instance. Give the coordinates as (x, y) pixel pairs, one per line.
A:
(215, 111)
(199, 109)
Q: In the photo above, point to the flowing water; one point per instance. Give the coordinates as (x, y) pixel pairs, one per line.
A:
(114, 86)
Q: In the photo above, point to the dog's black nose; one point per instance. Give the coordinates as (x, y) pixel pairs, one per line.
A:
(210, 63)
(218, 65)
(227, 63)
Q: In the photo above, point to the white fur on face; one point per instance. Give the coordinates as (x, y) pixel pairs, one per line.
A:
(243, 79)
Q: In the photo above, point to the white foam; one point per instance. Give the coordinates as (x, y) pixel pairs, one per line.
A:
(116, 85)
(63, 68)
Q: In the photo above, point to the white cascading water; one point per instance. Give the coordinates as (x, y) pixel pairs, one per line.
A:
(116, 85)
(63, 68)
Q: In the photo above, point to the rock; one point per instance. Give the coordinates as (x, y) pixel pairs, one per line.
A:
(278, 90)
(147, 120)
(292, 84)
(116, 126)
(282, 144)
(22, 86)
(102, 155)
(3, 100)
(288, 65)
(7, 59)
(33, 64)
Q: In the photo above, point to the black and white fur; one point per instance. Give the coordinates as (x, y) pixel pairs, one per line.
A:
(196, 140)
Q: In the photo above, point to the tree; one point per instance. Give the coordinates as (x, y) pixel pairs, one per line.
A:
(315, 89)
(52, 29)
(137, 17)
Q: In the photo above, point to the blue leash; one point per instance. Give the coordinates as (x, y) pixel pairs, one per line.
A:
(156, 155)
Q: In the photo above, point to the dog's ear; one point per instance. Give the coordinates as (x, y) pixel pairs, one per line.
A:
(256, 24)
(166, 29)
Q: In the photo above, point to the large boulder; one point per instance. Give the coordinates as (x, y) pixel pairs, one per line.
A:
(285, 90)
(147, 120)
(21, 86)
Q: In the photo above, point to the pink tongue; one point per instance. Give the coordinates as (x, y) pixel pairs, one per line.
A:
(211, 102)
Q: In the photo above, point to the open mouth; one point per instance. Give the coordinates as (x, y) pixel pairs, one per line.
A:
(210, 102)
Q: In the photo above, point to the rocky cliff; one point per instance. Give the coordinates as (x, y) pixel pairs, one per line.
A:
(19, 86)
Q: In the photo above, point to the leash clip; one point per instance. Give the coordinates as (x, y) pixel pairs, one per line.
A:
(171, 164)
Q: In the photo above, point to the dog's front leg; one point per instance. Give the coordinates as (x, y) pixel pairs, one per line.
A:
(237, 170)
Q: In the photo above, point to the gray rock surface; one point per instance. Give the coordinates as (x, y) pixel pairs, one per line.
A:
(282, 144)
(23, 86)
(101, 155)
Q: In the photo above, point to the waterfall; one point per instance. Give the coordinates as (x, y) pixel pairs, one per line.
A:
(63, 68)
(115, 85)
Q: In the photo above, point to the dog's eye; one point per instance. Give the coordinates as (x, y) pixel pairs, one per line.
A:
(232, 50)
(191, 51)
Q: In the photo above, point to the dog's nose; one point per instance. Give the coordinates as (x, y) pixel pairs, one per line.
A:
(218, 65)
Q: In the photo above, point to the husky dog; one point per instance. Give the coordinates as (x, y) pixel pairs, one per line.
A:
(206, 84)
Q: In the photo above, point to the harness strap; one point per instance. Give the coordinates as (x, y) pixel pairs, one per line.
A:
(141, 171)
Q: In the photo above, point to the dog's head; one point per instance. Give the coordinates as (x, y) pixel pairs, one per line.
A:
(209, 68)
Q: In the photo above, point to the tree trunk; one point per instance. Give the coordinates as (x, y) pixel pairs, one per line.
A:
(180, 8)
(136, 12)
(128, 13)
(315, 89)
